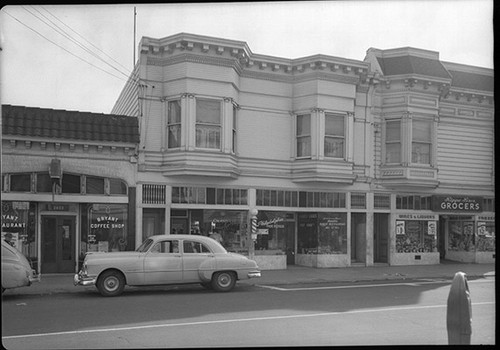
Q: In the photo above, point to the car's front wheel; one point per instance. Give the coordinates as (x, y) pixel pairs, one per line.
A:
(111, 283)
(223, 281)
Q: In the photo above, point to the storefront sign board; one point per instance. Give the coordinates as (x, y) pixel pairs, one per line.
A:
(465, 204)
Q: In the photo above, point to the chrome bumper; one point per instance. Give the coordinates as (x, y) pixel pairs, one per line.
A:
(254, 274)
(33, 277)
(80, 280)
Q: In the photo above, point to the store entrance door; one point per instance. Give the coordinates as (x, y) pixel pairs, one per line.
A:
(58, 244)
(380, 237)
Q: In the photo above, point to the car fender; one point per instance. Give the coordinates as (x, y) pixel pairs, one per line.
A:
(207, 269)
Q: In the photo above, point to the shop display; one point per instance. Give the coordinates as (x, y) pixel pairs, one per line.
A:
(416, 236)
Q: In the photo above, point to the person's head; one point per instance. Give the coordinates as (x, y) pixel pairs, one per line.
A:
(8, 237)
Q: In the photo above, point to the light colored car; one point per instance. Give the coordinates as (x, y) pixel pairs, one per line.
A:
(166, 259)
(16, 269)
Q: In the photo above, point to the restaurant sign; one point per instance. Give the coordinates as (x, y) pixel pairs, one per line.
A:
(465, 204)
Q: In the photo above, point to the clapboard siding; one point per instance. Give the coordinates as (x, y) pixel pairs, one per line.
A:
(264, 135)
(464, 155)
(126, 103)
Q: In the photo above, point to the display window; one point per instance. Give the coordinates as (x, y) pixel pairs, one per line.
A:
(104, 228)
(272, 231)
(322, 233)
(18, 227)
(416, 236)
(461, 234)
(485, 236)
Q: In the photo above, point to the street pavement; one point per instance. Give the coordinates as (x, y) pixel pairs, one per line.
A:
(294, 274)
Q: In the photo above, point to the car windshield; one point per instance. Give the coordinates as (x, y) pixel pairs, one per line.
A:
(144, 246)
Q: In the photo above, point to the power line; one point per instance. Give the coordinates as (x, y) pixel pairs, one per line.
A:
(84, 38)
(71, 53)
(61, 31)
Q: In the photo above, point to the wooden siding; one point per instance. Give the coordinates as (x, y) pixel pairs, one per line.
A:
(465, 154)
(127, 103)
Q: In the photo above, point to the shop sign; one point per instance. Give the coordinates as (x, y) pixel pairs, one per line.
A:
(272, 223)
(457, 204)
(486, 217)
(12, 222)
(106, 222)
(427, 217)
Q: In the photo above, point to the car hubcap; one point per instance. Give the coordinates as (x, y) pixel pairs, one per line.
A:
(224, 280)
(111, 283)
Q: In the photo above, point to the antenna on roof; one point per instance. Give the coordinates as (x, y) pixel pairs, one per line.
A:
(135, 15)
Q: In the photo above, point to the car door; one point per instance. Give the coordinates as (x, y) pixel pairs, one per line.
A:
(163, 263)
(195, 255)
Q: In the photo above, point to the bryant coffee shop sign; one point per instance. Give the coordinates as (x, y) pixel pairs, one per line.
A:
(457, 204)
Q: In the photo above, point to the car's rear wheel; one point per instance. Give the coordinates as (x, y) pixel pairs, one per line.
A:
(111, 283)
(223, 281)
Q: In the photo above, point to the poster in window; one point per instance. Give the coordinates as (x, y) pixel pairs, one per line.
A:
(431, 228)
(481, 228)
(400, 227)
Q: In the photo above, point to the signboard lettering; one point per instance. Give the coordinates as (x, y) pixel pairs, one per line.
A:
(457, 204)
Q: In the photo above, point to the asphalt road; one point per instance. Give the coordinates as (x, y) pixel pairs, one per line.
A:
(390, 313)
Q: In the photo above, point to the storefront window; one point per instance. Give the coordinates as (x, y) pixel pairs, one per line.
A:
(414, 236)
(273, 229)
(18, 227)
(461, 235)
(322, 233)
(486, 236)
(228, 227)
(104, 228)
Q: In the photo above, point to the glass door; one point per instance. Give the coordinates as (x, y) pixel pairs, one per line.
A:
(58, 244)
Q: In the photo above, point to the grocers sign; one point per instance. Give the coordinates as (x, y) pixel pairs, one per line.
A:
(457, 204)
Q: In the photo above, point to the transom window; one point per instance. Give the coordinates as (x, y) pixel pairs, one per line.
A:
(304, 135)
(334, 136)
(208, 124)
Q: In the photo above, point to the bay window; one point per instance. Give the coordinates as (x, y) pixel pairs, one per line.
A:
(393, 141)
(334, 144)
(208, 124)
(303, 135)
(174, 124)
(421, 141)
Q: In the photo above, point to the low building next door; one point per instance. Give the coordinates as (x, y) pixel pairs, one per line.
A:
(58, 244)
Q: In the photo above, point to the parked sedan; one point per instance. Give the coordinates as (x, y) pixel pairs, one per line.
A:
(16, 269)
(166, 259)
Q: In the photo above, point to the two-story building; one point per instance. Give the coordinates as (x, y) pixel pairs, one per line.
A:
(344, 162)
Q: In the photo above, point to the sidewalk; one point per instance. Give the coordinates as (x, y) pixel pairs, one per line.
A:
(63, 283)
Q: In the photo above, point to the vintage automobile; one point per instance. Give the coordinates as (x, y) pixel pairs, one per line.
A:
(166, 259)
(16, 269)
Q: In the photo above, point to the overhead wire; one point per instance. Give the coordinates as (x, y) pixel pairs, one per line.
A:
(61, 47)
(89, 42)
(62, 32)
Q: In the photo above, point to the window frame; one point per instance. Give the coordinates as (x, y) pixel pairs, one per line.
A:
(177, 124)
(201, 123)
(300, 136)
(393, 142)
(335, 136)
(428, 143)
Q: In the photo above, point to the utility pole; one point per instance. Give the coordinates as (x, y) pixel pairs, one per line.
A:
(135, 15)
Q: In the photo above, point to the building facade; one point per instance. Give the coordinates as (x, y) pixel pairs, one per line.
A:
(341, 162)
(68, 184)
(344, 162)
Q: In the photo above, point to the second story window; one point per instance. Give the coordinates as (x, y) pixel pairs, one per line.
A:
(334, 136)
(393, 141)
(174, 124)
(208, 124)
(304, 135)
(421, 141)
(233, 147)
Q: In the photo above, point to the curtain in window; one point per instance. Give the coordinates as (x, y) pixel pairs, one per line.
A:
(208, 120)
(334, 136)
(174, 124)
(422, 139)
(393, 142)
(303, 135)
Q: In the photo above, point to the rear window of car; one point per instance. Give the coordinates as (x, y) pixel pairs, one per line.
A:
(195, 247)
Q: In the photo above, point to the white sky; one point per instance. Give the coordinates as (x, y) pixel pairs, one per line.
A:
(37, 73)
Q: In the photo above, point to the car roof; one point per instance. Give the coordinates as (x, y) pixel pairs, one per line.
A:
(217, 247)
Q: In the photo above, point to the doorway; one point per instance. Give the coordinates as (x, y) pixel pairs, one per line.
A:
(58, 244)
(358, 237)
(380, 238)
